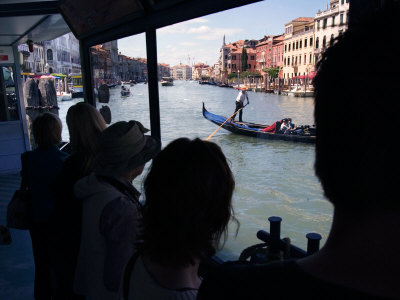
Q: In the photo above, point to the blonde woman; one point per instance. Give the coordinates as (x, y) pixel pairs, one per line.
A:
(85, 124)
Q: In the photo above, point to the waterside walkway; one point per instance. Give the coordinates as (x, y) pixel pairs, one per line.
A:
(16, 260)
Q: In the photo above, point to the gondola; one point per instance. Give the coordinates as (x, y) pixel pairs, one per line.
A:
(305, 135)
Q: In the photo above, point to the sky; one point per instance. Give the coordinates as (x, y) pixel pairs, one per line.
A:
(199, 40)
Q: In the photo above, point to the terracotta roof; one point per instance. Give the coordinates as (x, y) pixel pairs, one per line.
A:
(262, 44)
(303, 19)
(279, 37)
(239, 43)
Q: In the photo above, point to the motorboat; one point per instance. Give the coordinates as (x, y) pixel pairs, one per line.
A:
(167, 81)
(125, 91)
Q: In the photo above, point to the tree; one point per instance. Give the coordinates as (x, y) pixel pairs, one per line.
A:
(272, 72)
(244, 59)
(232, 76)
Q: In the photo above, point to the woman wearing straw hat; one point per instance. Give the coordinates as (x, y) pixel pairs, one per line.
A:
(111, 210)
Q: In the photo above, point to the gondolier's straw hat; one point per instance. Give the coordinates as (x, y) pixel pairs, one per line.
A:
(124, 147)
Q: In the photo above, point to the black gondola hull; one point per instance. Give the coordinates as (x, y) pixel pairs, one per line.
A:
(253, 129)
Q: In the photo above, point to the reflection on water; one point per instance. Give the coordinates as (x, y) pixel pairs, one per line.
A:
(272, 177)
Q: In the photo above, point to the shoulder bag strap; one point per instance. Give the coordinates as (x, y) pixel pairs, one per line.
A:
(128, 273)
(24, 179)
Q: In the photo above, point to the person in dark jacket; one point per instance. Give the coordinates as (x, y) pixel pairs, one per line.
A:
(85, 124)
(40, 168)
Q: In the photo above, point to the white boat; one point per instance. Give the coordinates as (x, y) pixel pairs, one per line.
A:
(125, 91)
(64, 96)
(167, 81)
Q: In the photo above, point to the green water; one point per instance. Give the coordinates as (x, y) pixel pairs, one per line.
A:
(272, 177)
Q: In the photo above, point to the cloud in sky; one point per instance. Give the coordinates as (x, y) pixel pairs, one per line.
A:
(188, 44)
(202, 37)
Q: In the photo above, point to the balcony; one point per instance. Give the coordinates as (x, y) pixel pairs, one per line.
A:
(326, 13)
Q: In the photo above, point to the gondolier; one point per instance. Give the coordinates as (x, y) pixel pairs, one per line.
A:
(240, 103)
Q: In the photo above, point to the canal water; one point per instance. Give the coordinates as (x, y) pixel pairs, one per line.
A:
(273, 178)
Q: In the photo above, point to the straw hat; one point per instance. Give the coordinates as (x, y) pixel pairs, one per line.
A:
(124, 147)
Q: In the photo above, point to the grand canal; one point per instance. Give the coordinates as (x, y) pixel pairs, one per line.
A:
(272, 177)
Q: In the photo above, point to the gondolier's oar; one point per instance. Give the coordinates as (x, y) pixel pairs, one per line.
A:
(210, 136)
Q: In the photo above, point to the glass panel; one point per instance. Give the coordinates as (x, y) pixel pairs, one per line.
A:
(119, 71)
(8, 96)
(211, 59)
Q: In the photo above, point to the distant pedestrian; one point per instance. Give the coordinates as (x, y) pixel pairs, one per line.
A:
(242, 96)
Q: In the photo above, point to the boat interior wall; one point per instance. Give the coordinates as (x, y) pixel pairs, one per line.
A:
(21, 20)
(139, 16)
(12, 141)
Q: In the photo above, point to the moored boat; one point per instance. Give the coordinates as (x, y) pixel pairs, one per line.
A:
(305, 135)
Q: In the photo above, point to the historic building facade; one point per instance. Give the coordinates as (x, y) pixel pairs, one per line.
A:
(329, 24)
(182, 72)
(298, 47)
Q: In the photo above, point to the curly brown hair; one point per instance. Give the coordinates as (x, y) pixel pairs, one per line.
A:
(188, 205)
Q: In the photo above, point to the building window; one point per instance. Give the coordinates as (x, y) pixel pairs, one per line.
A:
(233, 57)
(318, 24)
(252, 57)
(311, 41)
(288, 61)
(310, 60)
(49, 54)
(289, 47)
(297, 45)
(301, 44)
(285, 48)
(317, 43)
(299, 59)
(226, 56)
(341, 19)
(324, 42)
(293, 45)
(332, 39)
(305, 43)
(305, 58)
(333, 21)
(325, 23)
